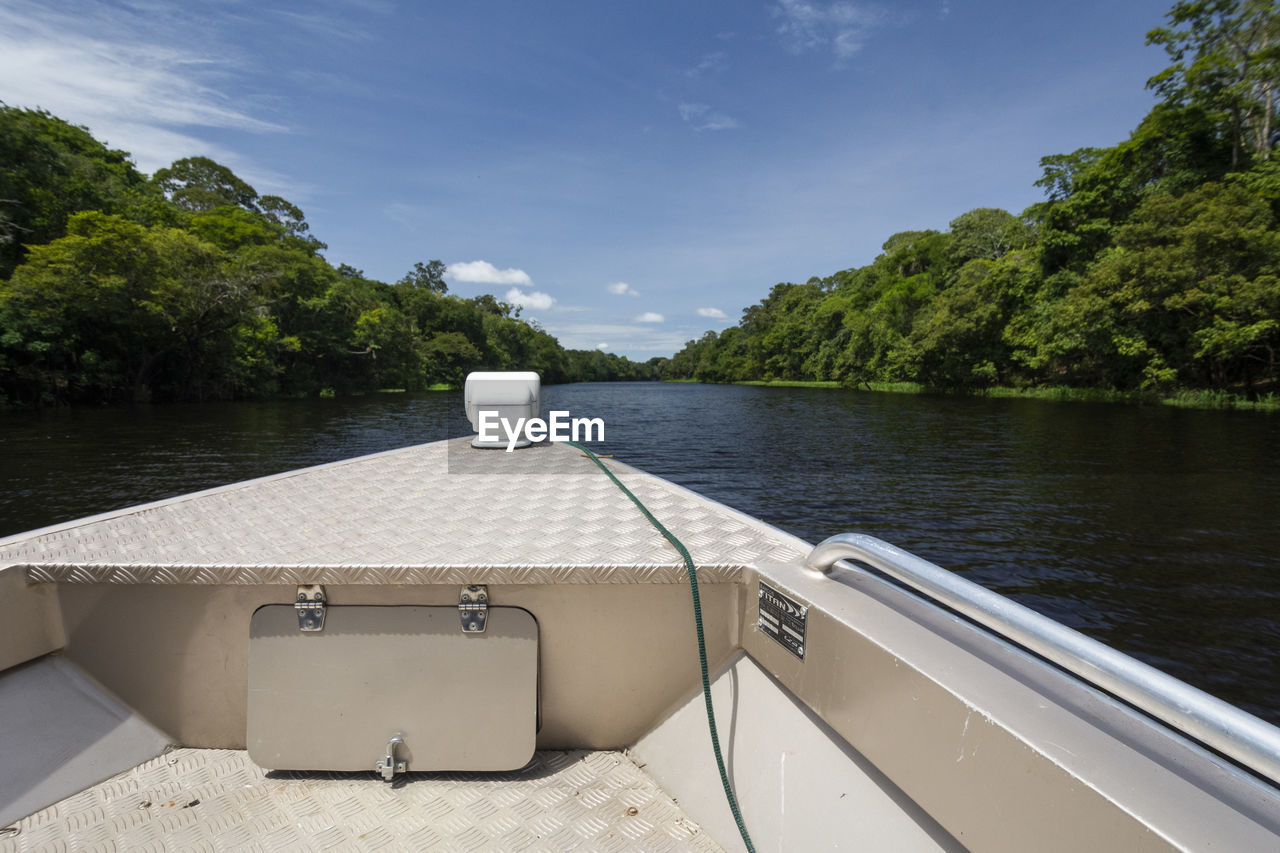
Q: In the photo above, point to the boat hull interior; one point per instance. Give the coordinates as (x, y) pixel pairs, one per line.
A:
(147, 701)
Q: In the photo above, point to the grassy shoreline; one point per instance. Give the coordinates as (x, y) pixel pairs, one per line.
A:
(1186, 399)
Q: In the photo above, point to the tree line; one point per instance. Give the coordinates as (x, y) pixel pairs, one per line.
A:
(1151, 266)
(189, 285)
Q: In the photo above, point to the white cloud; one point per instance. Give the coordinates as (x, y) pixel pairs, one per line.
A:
(405, 215)
(842, 27)
(602, 347)
(701, 117)
(483, 272)
(650, 317)
(535, 299)
(326, 25)
(714, 313)
(621, 288)
(132, 79)
(712, 62)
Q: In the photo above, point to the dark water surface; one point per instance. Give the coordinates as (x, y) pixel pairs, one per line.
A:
(1155, 530)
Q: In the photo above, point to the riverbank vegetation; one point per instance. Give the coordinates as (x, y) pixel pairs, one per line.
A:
(189, 285)
(1151, 270)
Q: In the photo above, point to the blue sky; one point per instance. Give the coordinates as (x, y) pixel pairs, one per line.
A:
(632, 173)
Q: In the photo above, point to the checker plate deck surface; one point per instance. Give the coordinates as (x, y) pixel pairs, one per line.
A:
(207, 799)
(434, 513)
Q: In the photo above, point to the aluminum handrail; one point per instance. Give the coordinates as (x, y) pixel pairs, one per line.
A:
(1249, 740)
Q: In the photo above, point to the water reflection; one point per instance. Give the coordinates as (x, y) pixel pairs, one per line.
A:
(1152, 529)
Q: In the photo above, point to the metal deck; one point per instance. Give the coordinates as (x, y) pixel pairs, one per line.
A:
(424, 514)
(902, 727)
(433, 514)
(207, 799)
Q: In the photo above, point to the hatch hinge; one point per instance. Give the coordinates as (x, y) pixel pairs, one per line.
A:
(473, 608)
(310, 607)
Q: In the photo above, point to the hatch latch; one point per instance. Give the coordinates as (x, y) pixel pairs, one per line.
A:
(473, 608)
(389, 765)
(310, 607)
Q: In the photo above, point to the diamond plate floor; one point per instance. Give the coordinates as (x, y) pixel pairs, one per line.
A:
(205, 799)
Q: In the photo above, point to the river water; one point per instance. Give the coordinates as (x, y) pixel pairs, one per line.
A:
(1155, 530)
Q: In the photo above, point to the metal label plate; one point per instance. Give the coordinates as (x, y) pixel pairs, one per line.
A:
(782, 618)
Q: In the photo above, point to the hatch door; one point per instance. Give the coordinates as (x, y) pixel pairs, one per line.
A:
(333, 699)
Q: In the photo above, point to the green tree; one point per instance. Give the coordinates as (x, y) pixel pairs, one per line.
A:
(428, 277)
(684, 363)
(957, 341)
(1189, 296)
(200, 184)
(1092, 191)
(116, 311)
(1226, 56)
(986, 233)
(449, 356)
(49, 170)
(725, 358)
(289, 217)
(777, 333)
(389, 339)
(191, 285)
(233, 228)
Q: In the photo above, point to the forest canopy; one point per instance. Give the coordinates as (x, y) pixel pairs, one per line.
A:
(189, 285)
(1152, 266)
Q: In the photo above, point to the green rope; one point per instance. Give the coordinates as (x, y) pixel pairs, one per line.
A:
(702, 643)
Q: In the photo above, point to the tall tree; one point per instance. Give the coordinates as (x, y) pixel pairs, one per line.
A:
(986, 233)
(49, 170)
(198, 184)
(1226, 57)
(1189, 296)
(116, 311)
(428, 276)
